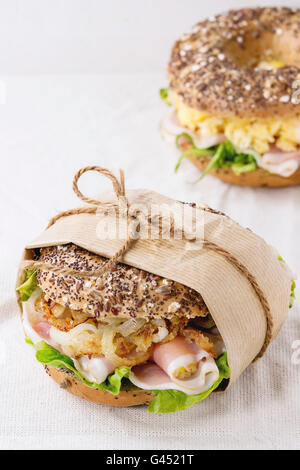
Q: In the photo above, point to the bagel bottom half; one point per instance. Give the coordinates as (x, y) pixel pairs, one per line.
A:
(256, 178)
(128, 396)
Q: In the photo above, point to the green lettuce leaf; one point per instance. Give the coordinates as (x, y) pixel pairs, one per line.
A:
(221, 156)
(29, 285)
(49, 356)
(169, 401)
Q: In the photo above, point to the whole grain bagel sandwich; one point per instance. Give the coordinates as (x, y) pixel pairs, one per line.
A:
(135, 333)
(135, 298)
(233, 87)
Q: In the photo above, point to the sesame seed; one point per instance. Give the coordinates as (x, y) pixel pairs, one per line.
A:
(173, 307)
(284, 99)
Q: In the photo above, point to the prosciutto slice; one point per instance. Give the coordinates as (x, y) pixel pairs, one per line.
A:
(169, 357)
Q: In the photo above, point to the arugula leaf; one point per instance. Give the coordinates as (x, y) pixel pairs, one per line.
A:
(169, 401)
(29, 285)
(239, 168)
(193, 151)
(213, 162)
(229, 149)
(48, 355)
(186, 137)
(164, 94)
(222, 156)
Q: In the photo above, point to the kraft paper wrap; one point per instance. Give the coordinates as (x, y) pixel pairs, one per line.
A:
(228, 294)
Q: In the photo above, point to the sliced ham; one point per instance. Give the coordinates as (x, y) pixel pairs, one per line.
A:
(280, 162)
(95, 369)
(168, 358)
(151, 377)
(174, 354)
(42, 328)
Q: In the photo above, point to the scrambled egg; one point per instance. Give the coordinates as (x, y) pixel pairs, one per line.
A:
(269, 64)
(256, 134)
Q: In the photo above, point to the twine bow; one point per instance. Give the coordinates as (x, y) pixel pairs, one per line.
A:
(119, 189)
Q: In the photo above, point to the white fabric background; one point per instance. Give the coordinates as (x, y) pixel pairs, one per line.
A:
(65, 108)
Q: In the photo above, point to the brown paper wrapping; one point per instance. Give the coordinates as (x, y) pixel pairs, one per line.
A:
(228, 294)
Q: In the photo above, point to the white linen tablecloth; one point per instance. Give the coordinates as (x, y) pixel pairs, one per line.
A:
(50, 126)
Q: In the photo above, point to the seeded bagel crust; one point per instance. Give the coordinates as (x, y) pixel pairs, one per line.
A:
(126, 292)
(212, 69)
(256, 178)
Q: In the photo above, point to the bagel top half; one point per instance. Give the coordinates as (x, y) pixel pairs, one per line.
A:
(125, 292)
(218, 67)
